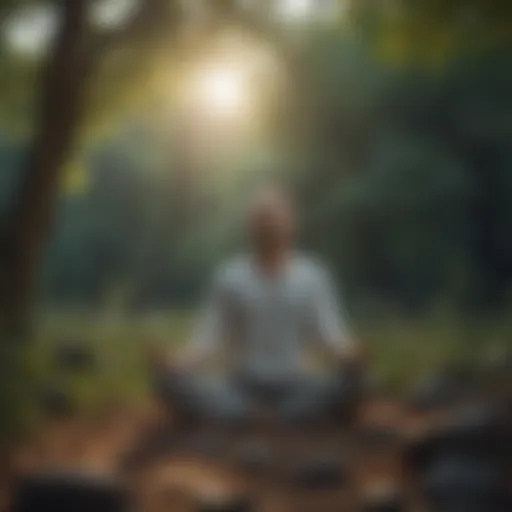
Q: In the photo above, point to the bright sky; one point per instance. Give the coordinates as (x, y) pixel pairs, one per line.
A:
(225, 89)
(221, 85)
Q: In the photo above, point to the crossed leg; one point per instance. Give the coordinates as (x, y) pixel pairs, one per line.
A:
(229, 399)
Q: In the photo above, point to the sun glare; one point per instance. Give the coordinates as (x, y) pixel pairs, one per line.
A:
(222, 90)
(230, 86)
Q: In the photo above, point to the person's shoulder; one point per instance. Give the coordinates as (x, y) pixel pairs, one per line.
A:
(232, 270)
(310, 264)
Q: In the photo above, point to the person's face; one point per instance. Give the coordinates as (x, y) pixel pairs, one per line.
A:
(272, 226)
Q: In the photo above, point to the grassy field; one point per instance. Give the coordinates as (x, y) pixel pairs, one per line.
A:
(401, 352)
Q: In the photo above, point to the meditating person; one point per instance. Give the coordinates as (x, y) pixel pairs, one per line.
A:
(265, 310)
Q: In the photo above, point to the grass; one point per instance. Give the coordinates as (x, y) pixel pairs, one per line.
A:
(121, 345)
(402, 351)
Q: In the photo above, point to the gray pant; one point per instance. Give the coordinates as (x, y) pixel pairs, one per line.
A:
(236, 398)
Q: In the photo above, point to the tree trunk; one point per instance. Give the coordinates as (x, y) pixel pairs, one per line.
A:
(63, 87)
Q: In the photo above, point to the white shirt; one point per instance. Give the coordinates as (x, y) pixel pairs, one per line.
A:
(269, 320)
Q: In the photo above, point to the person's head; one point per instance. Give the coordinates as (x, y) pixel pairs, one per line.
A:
(272, 221)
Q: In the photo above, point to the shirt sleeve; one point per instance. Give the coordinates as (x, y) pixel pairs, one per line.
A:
(211, 327)
(329, 316)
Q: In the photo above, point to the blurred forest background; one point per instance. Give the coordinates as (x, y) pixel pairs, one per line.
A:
(132, 133)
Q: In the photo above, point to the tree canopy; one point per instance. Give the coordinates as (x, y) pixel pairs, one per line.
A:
(390, 120)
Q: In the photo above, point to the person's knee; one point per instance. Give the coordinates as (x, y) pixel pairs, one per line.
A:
(322, 398)
(229, 405)
(207, 399)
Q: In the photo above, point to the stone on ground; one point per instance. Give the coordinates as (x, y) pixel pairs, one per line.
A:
(436, 392)
(75, 355)
(456, 483)
(57, 402)
(69, 490)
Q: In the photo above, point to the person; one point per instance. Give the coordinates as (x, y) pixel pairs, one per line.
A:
(266, 307)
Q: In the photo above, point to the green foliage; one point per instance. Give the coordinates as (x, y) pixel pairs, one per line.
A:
(406, 179)
(391, 163)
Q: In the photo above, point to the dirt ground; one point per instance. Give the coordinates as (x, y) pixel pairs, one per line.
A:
(164, 470)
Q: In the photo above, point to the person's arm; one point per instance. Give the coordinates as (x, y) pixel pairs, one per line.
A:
(330, 321)
(210, 330)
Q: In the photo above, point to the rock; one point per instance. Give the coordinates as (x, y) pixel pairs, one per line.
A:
(63, 491)
(437, 392)
(477, 432)
(76, 356)
(457, 483)
(57, 402)
(320, 473)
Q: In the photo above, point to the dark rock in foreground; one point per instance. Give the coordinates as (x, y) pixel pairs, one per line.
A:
(477, 433)
(438, 392)
(455, 483)
(66, 491)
